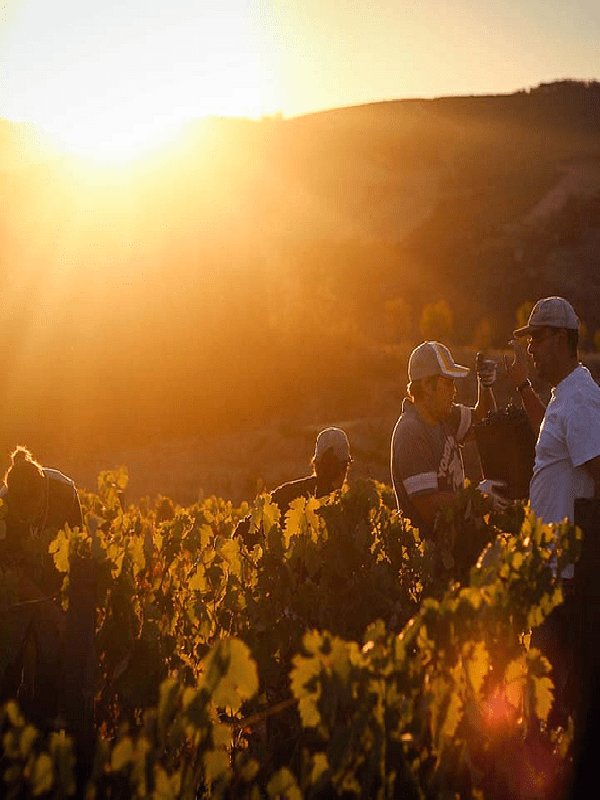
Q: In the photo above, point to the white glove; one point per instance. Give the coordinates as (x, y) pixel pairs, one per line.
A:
(490, 489)
(486, 372)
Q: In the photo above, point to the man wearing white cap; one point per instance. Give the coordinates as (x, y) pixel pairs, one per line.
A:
(426, 462)
(330, 466)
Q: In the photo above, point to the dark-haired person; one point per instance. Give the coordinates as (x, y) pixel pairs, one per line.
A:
(567, 468)
(426, 461)
(38, 502)
(329, 463)
(38, 498)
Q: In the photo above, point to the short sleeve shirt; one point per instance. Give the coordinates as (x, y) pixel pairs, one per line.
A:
(427, 457)
(569, 436)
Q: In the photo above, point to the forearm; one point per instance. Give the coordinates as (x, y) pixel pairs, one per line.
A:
(518, 371)
(534, 408)
(430, 503)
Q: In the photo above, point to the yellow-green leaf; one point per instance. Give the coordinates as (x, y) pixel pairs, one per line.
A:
(28, 737)
(515, 671)
(166, 787)
(197, 583)
(14, 715)
(477, 665)
(42, 774)
(230, 552)
(122, 754)
(59, 548)
(216, 764)
(543, 696)
(320, 765)
(453, 716)
(309, 711)
(269, 514)
(283, 785)
(250, 770)
(230, 673)
(136, 551)
(61, 750)
(206, 534)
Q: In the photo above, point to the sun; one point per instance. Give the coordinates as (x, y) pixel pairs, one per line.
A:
(110, 82)
(113, 139)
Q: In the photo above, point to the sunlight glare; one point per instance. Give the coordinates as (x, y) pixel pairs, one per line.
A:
(110, 139)
(112, 82)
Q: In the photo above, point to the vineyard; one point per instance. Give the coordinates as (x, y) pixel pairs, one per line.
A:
(337, 656)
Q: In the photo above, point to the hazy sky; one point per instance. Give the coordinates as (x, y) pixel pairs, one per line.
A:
(122, 71)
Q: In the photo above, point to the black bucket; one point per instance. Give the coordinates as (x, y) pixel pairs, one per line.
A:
(506, 445)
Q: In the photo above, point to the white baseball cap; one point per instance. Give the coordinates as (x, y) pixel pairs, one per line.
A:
(551, 312)
(433, 358)
(333, 439)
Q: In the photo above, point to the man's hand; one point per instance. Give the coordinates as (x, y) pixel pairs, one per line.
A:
(517, 369)
(492, 490)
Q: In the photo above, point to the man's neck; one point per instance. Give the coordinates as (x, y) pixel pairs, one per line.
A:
(425, 413)
(563, 371)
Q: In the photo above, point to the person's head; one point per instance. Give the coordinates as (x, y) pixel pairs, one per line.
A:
(552, 333)
(332, 458)
(431, 374)
(24, 481)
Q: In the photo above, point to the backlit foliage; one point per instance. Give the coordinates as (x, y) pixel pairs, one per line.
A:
(331, 659)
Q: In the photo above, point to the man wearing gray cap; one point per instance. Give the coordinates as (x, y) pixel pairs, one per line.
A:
(426, 462)
(567, 453)
(330, 466)
(566, 469)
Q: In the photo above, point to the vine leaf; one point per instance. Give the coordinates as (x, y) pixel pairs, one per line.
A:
(283, 785)
(122, 754)
(230, 674)
(42, 775)
(59, 549)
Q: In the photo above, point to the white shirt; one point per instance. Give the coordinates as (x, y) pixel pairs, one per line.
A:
(569, 436)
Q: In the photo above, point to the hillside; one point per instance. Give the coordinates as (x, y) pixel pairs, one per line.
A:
(239, 277)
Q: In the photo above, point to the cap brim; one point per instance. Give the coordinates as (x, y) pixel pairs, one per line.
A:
(457, 371)
(526, 330)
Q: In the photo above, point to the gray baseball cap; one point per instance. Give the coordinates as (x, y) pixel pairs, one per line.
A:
(433, 358)
(551, 312)
(334, 439)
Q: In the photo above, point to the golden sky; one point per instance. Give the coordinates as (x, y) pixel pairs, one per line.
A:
(117, 75)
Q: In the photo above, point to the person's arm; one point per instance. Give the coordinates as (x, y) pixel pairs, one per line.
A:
(429, 503)
(75, 519)
(517, 371)
(414, 467)
(593, 467)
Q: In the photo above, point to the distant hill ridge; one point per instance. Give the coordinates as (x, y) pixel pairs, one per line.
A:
(436, 176)
(234, 273)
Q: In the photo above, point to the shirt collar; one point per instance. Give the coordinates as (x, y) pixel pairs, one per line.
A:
(563, 385)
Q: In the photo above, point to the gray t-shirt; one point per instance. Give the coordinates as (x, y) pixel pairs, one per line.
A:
(426, 457)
